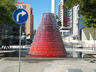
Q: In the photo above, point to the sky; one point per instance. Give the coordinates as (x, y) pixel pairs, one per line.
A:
(40, 7)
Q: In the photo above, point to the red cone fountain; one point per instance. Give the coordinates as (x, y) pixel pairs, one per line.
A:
(47, 41)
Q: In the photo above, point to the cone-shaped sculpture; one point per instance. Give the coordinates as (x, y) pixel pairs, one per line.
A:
(47, 41)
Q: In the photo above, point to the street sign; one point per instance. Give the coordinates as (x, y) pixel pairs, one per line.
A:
(20, 16)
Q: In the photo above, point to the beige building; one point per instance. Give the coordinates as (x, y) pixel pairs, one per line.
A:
(29, 22)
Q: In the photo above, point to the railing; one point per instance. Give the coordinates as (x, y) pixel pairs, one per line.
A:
(80, 45)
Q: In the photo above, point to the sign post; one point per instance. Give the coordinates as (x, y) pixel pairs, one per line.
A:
(20, 47)
(20, 16)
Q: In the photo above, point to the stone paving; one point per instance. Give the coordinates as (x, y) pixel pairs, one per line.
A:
(47, 65)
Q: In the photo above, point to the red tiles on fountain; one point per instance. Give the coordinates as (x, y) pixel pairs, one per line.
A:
(47, 41)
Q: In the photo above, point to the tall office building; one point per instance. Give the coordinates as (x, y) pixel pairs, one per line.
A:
(69, 20)
(29, 23)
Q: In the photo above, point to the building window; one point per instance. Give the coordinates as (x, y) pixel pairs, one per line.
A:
(18, 6)
(24, 6)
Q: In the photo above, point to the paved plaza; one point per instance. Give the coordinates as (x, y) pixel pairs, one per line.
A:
(47, 65)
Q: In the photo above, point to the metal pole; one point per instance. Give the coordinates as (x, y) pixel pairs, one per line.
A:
(94, 38)
(20, 48)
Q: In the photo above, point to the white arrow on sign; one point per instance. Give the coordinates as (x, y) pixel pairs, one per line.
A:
(21, 13)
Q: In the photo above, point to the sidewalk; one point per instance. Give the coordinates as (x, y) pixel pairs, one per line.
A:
(40, 65)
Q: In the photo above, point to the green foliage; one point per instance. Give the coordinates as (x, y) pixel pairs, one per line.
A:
(87, 8)
(89, 21)
(59, 23)
(57, 17)
(34, 32)
(6, 10)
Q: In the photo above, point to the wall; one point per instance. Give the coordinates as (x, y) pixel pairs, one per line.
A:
(75, 20)
(88, 34)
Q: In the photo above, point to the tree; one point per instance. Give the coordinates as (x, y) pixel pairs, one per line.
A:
(6, 10)
(34, 32)
(89, 21)
(58, 21)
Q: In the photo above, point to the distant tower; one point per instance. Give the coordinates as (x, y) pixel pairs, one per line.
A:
(53, 9)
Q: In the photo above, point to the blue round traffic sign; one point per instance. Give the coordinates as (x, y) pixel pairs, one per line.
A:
(20, 16)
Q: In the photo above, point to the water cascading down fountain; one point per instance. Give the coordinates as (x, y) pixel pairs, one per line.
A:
(47, 41)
